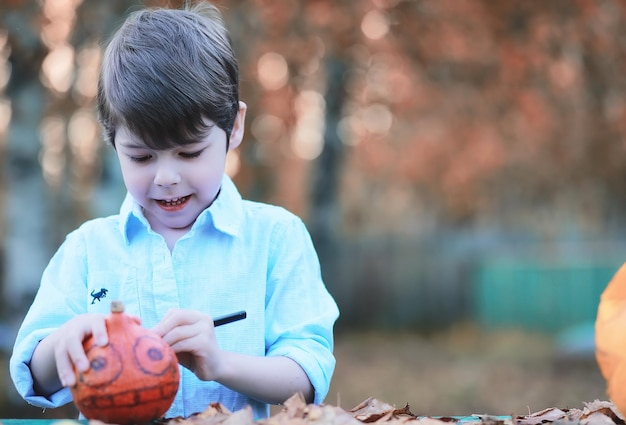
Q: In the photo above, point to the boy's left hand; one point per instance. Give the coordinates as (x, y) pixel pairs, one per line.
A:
(191, 335)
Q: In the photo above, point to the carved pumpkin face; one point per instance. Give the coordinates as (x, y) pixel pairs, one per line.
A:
(132, 380)
(610, 338)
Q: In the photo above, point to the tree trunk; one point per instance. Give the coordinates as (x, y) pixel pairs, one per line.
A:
(26, 248)
(324, 214)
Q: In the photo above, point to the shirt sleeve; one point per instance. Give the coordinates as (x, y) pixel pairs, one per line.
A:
(58, 298)
(300, 311)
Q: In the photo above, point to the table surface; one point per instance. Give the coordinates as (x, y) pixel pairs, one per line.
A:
(459, 419)
(42, 422)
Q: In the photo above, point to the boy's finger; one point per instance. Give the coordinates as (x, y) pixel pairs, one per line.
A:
(169, 321)
(77, 356)
(99, 333)
(65, 370)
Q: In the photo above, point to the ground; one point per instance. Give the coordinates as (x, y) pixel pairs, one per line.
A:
(461, 371)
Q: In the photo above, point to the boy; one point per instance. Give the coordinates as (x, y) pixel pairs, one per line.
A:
(185, 247)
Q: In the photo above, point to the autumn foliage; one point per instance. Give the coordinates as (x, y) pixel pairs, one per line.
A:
(458, 109)
(373, 411)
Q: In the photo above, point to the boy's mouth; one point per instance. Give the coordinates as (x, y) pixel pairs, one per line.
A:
(173, 204)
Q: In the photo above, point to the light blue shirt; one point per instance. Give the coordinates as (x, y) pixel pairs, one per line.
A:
(239, 255)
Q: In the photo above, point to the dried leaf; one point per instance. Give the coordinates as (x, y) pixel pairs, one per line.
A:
(240, 417)
(370, 410)
(374, 410)
(296, 406)
(297, 412)
(543, 416)
(216, 414)
(602, 407)
(598, 418)
(404, 411)
(575, 414)
(598, 404)
(330, 415)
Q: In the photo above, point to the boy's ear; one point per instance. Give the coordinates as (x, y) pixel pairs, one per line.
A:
(236, 136)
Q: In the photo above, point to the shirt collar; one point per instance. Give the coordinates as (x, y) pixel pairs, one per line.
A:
(225, 214)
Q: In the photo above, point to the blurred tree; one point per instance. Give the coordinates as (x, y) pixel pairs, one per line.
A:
(26, 209)
(387, 120)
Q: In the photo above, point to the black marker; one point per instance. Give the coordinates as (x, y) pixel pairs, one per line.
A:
(229, 318)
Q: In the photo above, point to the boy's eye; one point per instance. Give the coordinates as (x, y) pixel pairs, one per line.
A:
(143, 158)
(191, 154)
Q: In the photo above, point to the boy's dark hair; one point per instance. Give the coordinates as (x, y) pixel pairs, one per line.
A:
(164, 72)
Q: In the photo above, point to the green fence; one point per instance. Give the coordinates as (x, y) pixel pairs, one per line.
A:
(537, 296)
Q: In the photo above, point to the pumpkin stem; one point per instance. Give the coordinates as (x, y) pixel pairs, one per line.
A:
(117, 307)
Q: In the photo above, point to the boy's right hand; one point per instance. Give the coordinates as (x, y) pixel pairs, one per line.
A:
(69, 352)
(66, 345)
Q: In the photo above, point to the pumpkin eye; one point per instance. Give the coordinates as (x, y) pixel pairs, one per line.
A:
(105, 366)
(152, 355)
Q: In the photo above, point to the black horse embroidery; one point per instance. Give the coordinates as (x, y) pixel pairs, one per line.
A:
(99, 295)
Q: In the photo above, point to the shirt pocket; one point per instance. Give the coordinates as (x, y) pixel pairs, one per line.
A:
(113, 285)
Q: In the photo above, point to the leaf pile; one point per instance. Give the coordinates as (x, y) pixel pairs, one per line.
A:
(372, 411)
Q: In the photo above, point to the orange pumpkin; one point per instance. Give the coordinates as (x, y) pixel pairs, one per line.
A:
(610, 338)
(131, 380)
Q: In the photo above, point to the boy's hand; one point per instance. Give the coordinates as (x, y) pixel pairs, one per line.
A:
(68, 347)
(192, 336)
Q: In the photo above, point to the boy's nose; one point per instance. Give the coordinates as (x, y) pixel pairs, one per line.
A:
(166, 175)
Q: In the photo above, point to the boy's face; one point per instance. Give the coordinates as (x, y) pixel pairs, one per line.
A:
(175, 185)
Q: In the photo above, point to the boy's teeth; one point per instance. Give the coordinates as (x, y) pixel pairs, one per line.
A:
(174, 201)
